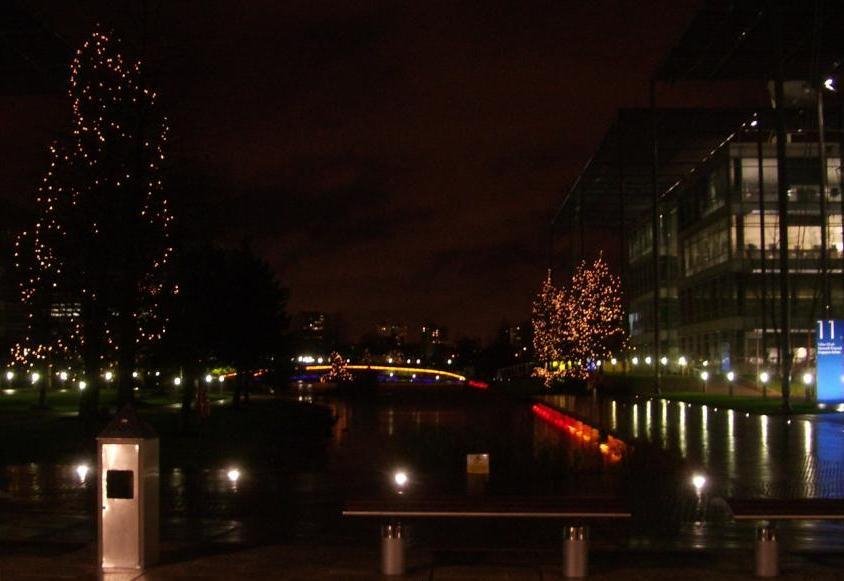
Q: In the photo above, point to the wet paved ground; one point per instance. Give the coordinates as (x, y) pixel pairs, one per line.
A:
(268, 524)
(309, 562)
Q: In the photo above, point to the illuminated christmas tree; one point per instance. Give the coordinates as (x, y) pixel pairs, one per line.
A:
(101, 241)
(338, 372)
(548, 319)
(594, 328)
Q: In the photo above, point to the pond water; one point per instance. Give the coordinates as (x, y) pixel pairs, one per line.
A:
(645, 451)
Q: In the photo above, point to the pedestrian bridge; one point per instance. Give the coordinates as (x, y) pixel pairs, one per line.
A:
(398, 373)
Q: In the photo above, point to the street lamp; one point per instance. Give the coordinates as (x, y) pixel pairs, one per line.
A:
(648, 360)
(62, 376)
(731, 377)
(663, 360)
(177, 381)
(764, 377)
(808, 378)
(209, 378)
(109, 376)
(10, 375)
(82, 385)
(704, 375)
(635, 361)
(35, 377)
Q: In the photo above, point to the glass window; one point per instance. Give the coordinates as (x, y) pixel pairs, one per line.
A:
(707, 248)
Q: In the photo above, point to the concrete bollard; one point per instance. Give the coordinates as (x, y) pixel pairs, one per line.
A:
(392, 549)
(576, 551)
(767, 554)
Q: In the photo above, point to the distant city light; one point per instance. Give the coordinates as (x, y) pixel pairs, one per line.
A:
(63, 375)
(319, 360)
(754, 123)
(135, 375)
(682, 361)
(390, 360)
(698, 481)
(450, 361)
(418, 361)
(233, 475)
(222, 378)
(157, 373)
(706, 362)
(209, 378)
(109, 376)
(613, 360)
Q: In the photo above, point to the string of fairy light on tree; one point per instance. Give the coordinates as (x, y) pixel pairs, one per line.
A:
(578, 327)
(101, 202)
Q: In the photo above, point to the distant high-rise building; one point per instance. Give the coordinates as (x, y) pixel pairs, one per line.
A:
(396, 333)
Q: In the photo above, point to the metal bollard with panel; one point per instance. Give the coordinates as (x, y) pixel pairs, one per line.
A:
(127, 494)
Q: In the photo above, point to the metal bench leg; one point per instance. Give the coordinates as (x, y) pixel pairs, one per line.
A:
(767, 553)
(576, 551)
(392, 549)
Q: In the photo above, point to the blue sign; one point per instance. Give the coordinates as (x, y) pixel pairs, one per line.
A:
(830, 360)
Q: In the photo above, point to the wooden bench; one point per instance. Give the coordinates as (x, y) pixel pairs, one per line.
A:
(579, 511)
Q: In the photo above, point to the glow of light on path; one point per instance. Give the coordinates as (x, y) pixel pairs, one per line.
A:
(82, 472)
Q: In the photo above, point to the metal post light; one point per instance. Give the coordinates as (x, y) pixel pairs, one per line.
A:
(731, 376)
(704, 376)
(763, 378)
(808, 379)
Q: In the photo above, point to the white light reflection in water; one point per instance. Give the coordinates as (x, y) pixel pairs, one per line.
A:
(648, 422)
(807, 438)
(663, 424)
(635, 420)
(704, 433)
(811, 480)
(683, 442)
(613, 416)
(731, 446)
(764, 451)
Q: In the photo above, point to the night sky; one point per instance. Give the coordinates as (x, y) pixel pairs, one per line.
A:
(392, 160)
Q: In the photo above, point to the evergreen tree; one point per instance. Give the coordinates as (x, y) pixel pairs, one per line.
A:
(338, 372)
(101, 241)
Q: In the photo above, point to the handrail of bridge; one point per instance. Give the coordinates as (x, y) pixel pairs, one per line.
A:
(392, 368)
